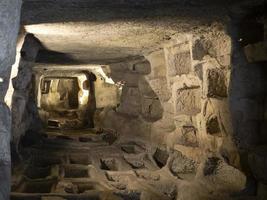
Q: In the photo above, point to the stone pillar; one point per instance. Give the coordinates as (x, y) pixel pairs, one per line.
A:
(9, 26)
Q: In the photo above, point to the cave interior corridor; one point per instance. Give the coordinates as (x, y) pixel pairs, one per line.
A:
(133, 100)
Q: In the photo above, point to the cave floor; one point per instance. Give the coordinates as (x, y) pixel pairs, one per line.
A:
(90, 166)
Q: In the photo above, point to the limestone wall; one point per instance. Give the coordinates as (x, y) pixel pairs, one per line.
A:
(23, 101)
(139, 105)
(177, 96)
(177, 99)
(9, 26)
(196, 119)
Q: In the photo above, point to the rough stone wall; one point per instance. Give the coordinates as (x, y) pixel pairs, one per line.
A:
(196, 122)
(177, 99)
(182, 92)
(9, 26)
(10, 12)
(139, 104)
(23, 101)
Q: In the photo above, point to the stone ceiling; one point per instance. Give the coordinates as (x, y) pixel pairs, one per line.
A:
(107, 31)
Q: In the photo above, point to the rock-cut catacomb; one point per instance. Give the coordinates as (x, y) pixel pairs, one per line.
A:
(133, 100)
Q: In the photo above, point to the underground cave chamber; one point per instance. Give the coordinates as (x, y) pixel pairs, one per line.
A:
(135, 101)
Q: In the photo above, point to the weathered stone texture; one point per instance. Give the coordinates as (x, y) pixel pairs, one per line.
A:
(183, 120)
(180, 164)
(155, 88)
(187, 101)
(198, 50)
(145, 88)
(5, 174)
(130, 101)
(24, 108)
(212, 126)
(182, 62)
(184, 81)
(215, 83)
(222, 177)
(126, 126)
(161, 128)
(128, 78)
(161, 89)
(5, 134)
(178, 59)
(23, 80)
(194, 153)
(175, 95)
(216, 45)
(161, 156)
(172, 99)
(141, 67)
(158, 65)
(9, 26)
(151, 108)
(119, 67)
(189, 136)
(199, 71)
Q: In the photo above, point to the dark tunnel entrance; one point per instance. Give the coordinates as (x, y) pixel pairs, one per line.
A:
(65, 100)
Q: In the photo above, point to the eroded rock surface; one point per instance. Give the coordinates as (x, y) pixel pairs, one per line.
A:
(9, 27)
(189, 116)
